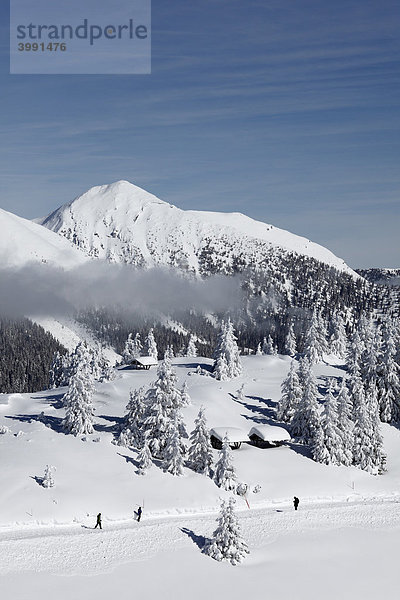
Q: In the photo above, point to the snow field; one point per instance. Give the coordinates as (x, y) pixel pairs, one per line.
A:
(344, 536)
(323, 550)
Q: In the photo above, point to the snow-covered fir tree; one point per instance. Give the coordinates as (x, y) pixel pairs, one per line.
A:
(173, 459)
(338, 337)
(150, 346)
(258, 350)
(240, 393)
(378, 454)
(389, 377)
(81, 355)
(315, 340)
(144, 458)
(303, 370)
(367, 450)
(133, 348)
(99, 366)
(345, 424)
(48, 478)
(78, 402)
(327, 447)
(56, 375)
(264, 347)
(291, 394)
(354, 353)
(290, 341)
(163, 398)
(137, 346)
(191, 350)
(131, 433)
(227, 542)
(269, 346)
(370, 357)
(185, 396)
(224, 473)
(318, 448)
(127, 353)
(227, 364)
(200, 456)
(306, 421)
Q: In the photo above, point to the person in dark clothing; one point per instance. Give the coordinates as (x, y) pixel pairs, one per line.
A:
(139, 513)
(98, 522)
(296, 502)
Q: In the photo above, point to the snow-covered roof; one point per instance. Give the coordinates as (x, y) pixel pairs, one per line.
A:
(234, 434)
(145, 360)
(270, 433)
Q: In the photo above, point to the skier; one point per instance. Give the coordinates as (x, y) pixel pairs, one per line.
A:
(139, 513)
(296, 502)
(98, 522)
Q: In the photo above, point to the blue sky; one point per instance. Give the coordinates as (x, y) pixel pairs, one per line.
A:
(288, 111)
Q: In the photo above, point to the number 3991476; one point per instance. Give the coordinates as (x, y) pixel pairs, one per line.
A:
(42, 47)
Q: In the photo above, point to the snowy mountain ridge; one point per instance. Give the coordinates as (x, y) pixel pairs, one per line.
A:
(123, 223)
(22, 242)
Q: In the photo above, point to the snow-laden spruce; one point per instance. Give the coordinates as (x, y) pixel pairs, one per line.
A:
(191, 350)
(338, 337)
(78, 402)
(150, 346)
(291, 394)
(269, 346)
(163, 398)
(185, 396)
(306, 421)
(240, 394)
(132, 349)
(327, 447)
(345, 424)
(173, 460)
(290, 341)
(354, 353)
(227, 542)
(57, 377)
(200, 455)
(144, 458)
(315, 340)
(371, 356)
(227, 364)
(99, 366)
(132, 427)
(389, 377)
(48, 479)
(367, 450)
(65, 366)
(224, 473)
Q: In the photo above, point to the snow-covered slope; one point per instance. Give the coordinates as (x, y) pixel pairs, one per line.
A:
(123, 223)
(22, 242)
(346, 530)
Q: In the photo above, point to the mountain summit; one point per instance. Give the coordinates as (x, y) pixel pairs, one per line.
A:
(123, 223)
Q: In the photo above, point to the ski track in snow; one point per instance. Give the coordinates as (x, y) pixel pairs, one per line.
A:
(78, 549)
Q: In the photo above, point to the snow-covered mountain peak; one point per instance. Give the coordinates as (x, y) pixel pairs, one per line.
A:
(121, 196)
(121, 222)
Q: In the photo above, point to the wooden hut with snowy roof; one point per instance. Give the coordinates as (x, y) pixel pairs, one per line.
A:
(144, 362)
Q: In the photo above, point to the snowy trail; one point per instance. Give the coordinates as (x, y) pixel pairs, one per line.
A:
(79, 550)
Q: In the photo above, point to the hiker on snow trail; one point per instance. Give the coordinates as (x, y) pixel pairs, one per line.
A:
(296, 502)
(98, 522)
(139, 513)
